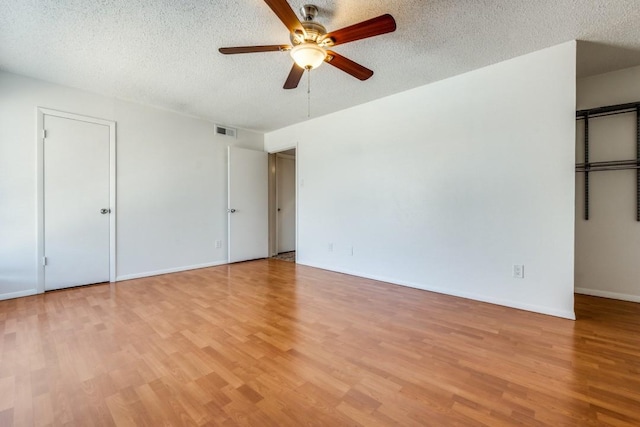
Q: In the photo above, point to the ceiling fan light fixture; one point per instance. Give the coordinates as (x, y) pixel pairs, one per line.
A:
(311, 44)
(308, 55)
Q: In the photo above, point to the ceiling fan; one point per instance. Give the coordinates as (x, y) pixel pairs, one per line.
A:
(310, 41)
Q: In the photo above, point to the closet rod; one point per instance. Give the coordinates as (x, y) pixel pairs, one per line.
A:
(619, 109)
(606, 168)
(609, 163)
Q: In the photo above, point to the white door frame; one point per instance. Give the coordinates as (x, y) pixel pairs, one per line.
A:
(277, 237)
(273, 240)
(40, 187)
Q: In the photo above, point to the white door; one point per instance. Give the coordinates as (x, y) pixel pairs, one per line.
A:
(248, 205)
(286, 200)
(76, 203)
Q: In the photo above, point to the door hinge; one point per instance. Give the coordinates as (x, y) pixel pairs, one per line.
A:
(44, 260)
(44, 133)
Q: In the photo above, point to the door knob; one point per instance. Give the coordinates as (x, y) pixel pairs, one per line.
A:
(105, 211)
(231, 210)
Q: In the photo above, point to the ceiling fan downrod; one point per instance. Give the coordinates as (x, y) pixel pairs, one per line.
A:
(309, 12)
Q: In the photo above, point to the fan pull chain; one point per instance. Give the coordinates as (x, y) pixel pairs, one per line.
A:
(308, 92)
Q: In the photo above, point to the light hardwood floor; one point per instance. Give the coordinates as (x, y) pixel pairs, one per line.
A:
(272, 343)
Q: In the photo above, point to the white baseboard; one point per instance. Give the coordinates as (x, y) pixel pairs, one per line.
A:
(168, 270)
(19, 294)
(512, 304)
(607, 294)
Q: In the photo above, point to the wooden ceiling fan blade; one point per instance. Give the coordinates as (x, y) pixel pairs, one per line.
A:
(348, 66)
(288, 17)
(254, 49)
(373, 27)
(294, 77)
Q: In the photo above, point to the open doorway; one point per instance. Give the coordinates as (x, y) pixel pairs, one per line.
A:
(282, 189)
(607, 214)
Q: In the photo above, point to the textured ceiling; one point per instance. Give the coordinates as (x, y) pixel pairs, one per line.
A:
(164, 52)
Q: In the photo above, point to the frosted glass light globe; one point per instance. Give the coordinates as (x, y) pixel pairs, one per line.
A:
(308, 55)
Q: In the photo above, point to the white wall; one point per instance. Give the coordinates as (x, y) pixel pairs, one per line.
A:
(171, 183)
(446, 186)
(608, 245)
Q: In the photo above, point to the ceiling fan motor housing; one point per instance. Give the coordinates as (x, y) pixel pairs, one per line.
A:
(313, 31)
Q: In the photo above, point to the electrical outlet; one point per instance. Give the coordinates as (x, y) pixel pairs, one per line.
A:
(518, 271)
(351, 250)
(330, 247)
(218, 244)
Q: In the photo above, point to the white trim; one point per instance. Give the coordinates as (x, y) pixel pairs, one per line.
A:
(527, 307)
(112, 202)
(39, 201)
(281, 149)
(277, 205)
(279, 153)
(273, 208)
(297, 195)
(607, 294)
(170, 270)
(19, 294)
(229, 204)
(41, 112)
(277, 229)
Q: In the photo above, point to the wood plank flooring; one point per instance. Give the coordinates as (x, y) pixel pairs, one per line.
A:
(272, 343)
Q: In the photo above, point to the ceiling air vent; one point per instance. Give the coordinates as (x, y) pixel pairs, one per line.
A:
(226, 131)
